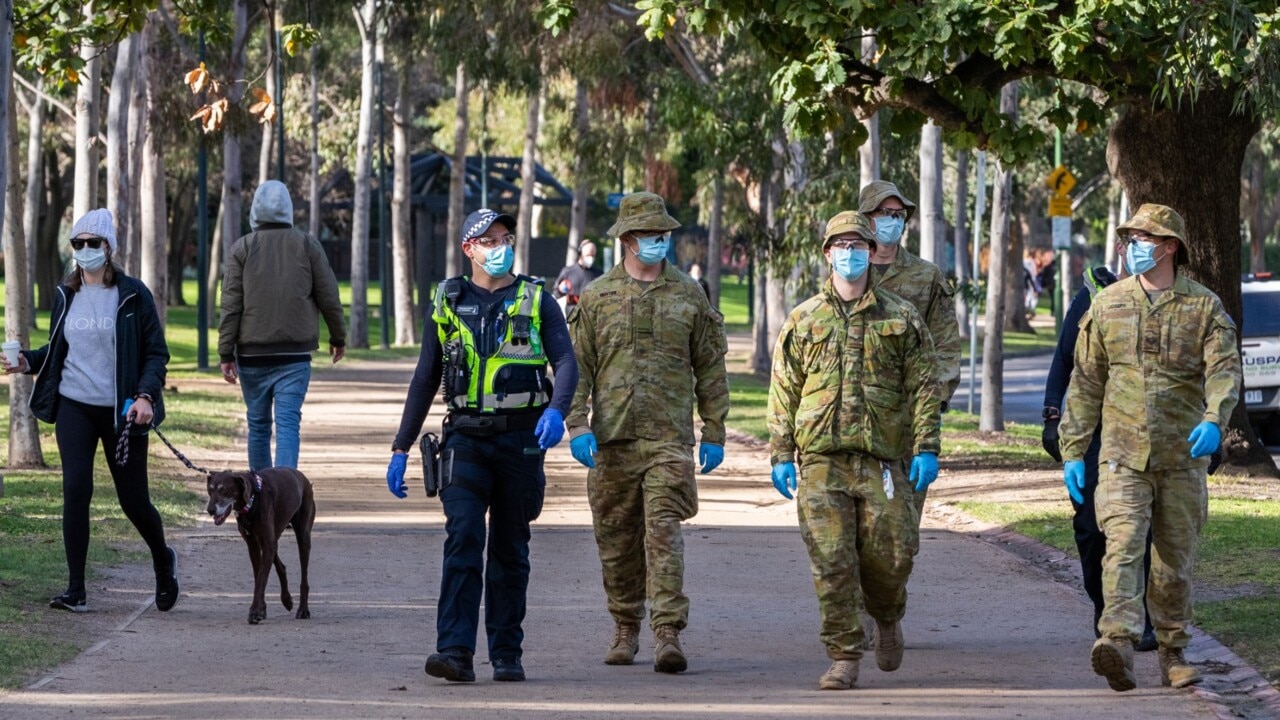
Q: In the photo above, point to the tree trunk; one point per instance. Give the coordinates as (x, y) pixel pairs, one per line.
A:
(581, 182)
(960, 239)
(1015, 317)
(359, 336)
(119, 190)
(265, 154)
(181, 230)
(1113, 221)
(992, 417)
(402, 211)
(24, 433)
(761, 350)
(528, 180)
(215, 268)
(313, 216)
(131, 241)
(1159, 157)
(457, 179)
(869, 153)
(1256, 216)
(155, 240)
(932, 222)
(35, 183)
(49, 264)
(715, 239)
(231, 209)
(88, 103)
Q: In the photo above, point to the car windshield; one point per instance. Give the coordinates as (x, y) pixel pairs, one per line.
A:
(1261, 314)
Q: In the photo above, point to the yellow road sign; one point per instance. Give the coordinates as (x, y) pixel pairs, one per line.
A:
(1060, 180)
(1060, 206)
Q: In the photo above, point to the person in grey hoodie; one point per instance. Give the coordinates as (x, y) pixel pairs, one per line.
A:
(277, 282)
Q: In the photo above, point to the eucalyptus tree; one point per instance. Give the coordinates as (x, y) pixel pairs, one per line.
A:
(1187, 83)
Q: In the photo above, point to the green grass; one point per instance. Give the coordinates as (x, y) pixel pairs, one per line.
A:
(964, 444)
(1236, 560)
(1017, 343)
(749, 404)
(734, 304)
(32, 561)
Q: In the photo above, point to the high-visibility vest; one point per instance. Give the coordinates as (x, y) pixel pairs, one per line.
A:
(514, 376)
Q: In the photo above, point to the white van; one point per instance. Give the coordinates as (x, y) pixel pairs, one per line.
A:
(1260, 353)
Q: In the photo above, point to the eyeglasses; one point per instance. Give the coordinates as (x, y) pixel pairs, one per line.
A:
(858, 244)
(79, 243)
(895, 213)
(1131, 238)
(492, 242)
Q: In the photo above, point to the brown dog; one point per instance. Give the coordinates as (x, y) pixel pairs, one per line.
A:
(265, 502)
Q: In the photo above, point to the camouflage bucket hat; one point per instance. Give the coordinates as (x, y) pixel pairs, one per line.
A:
(877, 192)
(849, 222)
(642, 211)
(1161, 221)
(1157, 220)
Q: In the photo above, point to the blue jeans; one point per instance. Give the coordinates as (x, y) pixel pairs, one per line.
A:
(489, 474)
(281, 386)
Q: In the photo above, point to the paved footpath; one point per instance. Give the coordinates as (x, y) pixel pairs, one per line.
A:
(987, 635)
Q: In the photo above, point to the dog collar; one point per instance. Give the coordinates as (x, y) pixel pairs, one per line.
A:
(257, 489)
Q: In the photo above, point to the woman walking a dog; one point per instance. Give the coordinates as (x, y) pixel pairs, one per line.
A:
(104, 364)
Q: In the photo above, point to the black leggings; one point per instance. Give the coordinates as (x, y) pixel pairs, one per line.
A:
(79, 429)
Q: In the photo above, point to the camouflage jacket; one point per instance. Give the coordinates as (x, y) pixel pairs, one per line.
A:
(922, 284)
(1151, 372)
(644, 356)
(862, 380)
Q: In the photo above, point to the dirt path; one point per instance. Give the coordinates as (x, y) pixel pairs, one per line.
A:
(988, 636)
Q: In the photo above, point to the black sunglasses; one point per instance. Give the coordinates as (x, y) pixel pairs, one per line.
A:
(79, 243)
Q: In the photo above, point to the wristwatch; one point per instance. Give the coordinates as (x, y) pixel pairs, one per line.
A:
(1050, 413)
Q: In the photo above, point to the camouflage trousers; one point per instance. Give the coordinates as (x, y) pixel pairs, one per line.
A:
(862, 543)
(1174, 505)
(639, 492)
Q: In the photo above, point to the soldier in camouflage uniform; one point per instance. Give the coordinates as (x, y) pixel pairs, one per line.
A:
(1156, 362)
(649, 344)
(854, 392)
(918, 281)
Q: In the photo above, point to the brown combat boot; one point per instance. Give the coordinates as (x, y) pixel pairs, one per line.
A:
(667, 655)
(1175, 671)
(1113, 659)
(889, 645)
(842, 675)
(625, 645)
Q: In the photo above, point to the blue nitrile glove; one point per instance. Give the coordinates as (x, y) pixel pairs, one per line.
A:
(924, 470)
(583, 447)
(784, 479)
(395, 474)
(710, 455)
(1205, 439)
(550, 428)
(1073, 476)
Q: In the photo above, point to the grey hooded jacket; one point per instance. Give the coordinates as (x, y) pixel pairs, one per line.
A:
(278, 281)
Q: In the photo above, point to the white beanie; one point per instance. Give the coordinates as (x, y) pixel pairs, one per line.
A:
(97, 222)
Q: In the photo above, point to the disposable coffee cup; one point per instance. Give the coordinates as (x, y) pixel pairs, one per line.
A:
(11, 349)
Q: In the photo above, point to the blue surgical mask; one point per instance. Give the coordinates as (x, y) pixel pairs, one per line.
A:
(498, 260)
(850, 263)
(889, 230)
(90, 259)
(1140, 257)
(651, 250)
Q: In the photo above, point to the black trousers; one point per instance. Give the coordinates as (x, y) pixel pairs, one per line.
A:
(1090, 541)
(80, 430)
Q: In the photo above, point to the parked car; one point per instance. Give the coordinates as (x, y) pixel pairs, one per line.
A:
(1260, 353)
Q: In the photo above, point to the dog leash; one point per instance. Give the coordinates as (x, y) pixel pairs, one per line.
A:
(122, 449)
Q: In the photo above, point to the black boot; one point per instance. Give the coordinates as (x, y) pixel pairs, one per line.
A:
(508, 670)
(452, 664)
(72, 599)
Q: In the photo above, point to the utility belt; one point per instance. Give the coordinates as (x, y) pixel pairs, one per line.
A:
(486, 425)
(437, 458)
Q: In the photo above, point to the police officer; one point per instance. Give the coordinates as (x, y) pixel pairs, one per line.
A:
(853, 392)
(1157, 364)
(918, 281)
(490, 336)
(649, 344)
